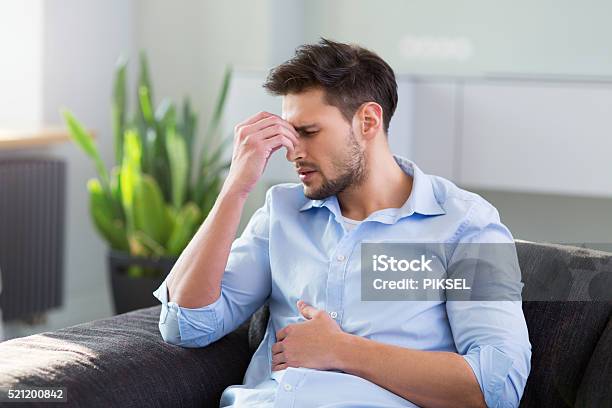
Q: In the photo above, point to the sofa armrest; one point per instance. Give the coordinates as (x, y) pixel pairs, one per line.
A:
(123, 361)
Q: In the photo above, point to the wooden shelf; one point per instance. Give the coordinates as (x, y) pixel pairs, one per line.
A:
(21, 139)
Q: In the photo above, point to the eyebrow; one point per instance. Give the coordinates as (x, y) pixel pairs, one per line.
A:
(303, 128)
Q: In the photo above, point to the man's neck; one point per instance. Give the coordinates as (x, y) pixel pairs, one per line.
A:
(386, 185)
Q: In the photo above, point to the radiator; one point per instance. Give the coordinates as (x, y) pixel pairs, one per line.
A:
(32, 202)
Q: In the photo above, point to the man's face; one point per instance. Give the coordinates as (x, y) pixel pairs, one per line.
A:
(329, 158)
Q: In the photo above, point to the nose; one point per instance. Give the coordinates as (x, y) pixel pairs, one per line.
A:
(299, 151)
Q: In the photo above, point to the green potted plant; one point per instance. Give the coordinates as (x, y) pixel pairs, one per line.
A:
(153, 200)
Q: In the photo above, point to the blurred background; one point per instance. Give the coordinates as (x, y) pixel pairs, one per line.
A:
(511, 100)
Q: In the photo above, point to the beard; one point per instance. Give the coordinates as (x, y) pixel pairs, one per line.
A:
(350, 170)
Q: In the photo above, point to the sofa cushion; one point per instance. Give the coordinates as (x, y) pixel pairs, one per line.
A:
(257, 326)
(564, 334)
(123, 361)
(563, 272)
(596, 387)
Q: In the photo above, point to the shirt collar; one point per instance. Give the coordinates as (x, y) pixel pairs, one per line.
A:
(422, 198)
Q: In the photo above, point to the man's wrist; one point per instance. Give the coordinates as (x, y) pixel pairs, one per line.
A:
(347, 352)
(231, 192)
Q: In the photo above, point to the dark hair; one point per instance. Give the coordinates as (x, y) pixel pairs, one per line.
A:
(349, 74)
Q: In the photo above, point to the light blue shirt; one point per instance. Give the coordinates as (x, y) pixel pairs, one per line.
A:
(296, 248)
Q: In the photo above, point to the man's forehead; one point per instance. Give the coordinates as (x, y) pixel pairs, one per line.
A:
(303, 108)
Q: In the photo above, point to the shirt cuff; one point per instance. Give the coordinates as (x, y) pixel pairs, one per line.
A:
(196, 327)
(492, 368)
(161, 294)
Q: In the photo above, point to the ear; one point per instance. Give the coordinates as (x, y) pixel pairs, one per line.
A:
(370, 119)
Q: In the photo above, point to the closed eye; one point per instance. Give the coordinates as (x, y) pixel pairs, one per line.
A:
(310, 133)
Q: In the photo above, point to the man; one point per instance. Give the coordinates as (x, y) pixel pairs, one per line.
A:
(323, 345)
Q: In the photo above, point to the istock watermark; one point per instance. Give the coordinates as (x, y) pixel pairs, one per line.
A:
(439, 272)
(480, 272)
(386, 263)
(383, 263)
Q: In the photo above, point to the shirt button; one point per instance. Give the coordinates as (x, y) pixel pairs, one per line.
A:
(340, 258)
(287, 387)
(333, 315)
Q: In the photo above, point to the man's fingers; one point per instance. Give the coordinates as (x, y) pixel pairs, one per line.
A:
(269, 133)
(277, 347)
(278, 358)
(275, 149)
(256, 117)
(273, 122)
(306, 310)
(280, 367)
(277, 128)
(279, 141)
(281, 333)
(291, 133)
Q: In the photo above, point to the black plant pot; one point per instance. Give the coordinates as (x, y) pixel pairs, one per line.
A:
(131, 293)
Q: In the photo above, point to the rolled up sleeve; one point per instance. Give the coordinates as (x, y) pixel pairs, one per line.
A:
(188, 327)
(245, 286)
(492, 335)
(501, 374)
(492, 338)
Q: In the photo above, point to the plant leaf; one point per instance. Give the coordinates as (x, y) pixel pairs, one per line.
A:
(187, 222)
(115, 186)
(217, 154)
(144, 81)
(189, 123)
(179, 172)
(150, 243)
(164, 110)
(213, 125)
(130, 178)
(118, 107)
(146, 105)
(112, 230)
(206, 180)
(82, 138)
(150, 215)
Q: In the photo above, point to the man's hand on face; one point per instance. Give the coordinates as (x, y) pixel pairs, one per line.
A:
(311, 344)
(255, 140)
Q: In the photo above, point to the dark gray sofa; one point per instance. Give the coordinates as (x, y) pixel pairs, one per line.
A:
(123, 361)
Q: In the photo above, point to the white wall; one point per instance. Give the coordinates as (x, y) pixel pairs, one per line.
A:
(549, 37)
(21, 63)
(555, 218)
